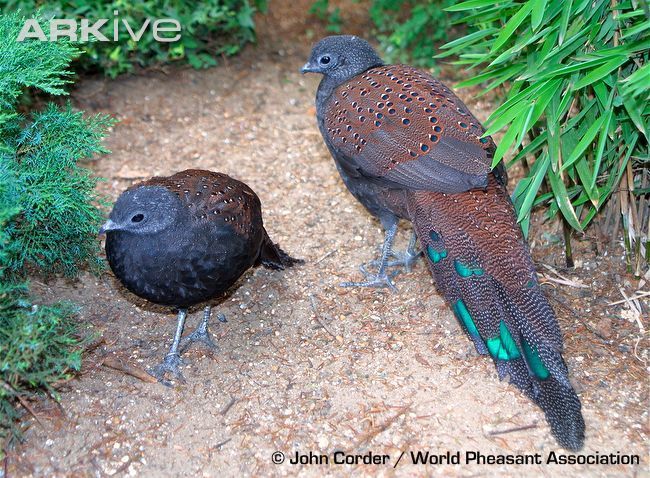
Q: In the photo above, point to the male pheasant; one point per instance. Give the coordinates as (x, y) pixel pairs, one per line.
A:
(408, 148)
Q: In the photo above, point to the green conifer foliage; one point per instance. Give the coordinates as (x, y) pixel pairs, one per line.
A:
(49, 216)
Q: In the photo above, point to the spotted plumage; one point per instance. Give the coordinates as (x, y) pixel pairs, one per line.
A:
(408, 128)
(184, 239)
(408, 148)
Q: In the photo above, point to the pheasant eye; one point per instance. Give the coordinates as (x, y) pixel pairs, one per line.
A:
(324, 60)
(137, 218)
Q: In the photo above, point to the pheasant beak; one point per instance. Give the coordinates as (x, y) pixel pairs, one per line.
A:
(108, 226)
(308, 68)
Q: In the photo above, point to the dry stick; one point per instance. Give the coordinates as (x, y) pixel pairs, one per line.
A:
(326, 256)
(644, 220)
(635, 308)
(566, 228)
(219, 445)
(617, 220)
(228, 406)
(568, 251)
(511, 430)
(626, 178)
(566, 280)
(382, 428)
(627, 219)
(317, 317)
(636, 297)
(120, 366)
(642, 212)
(634, 225)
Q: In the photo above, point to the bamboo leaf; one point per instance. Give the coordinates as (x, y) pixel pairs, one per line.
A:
(564, 20)
(469, 5)
(586, 176)
(507, 140)
(537, 13)
(600, 148)
(506, 117)
(468, 39)
(600, 72)
(562, 199)
(511, 26)
(634, 109)
(586, 140)
(538, 172)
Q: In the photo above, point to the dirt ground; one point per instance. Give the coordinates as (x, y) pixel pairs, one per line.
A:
(304, 364)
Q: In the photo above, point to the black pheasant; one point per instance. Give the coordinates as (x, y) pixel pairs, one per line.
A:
(408, 148)
(184, 239)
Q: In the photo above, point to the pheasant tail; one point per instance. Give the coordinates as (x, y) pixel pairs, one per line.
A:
(273, 257)
(482, 266)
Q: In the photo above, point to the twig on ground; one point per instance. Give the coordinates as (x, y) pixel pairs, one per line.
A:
(120, 366)
(563, 280)
(580, 318)
(635, 308)
(636, 297)
(512, 430)
(228, 406)
(330, 253)
(382, 427)
(320, 322)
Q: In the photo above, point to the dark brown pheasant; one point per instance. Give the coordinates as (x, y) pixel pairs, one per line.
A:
(184, 239)
(408, 148)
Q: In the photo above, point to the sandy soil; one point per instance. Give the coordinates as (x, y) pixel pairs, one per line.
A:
(304, 364)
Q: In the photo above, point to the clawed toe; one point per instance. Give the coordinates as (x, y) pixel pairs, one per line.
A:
(379, 281)
(404, 259)
(202, 337)
(169, 366)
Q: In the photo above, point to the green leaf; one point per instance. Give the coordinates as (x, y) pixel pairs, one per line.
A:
(538, 172)
(564, 20)
(506, 117)
(469, 5)
(600, 148)
(508, 138)
(511, 26)
(586, 140)
(636, 29)
(586, 177)
(600, 72)
(469, 39)
(562, 199)
(634, 109)
(537, 13)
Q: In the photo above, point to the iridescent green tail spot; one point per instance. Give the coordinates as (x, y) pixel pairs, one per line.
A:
(465, 318)
(436, 256)
(534, 362)
(503, 346)
(465, 271)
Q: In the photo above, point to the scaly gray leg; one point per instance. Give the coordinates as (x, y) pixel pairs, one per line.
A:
(172, 360)
(201, 334)
(381, 279)
(404, 259)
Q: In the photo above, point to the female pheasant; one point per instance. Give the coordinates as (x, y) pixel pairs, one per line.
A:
(184, 239)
